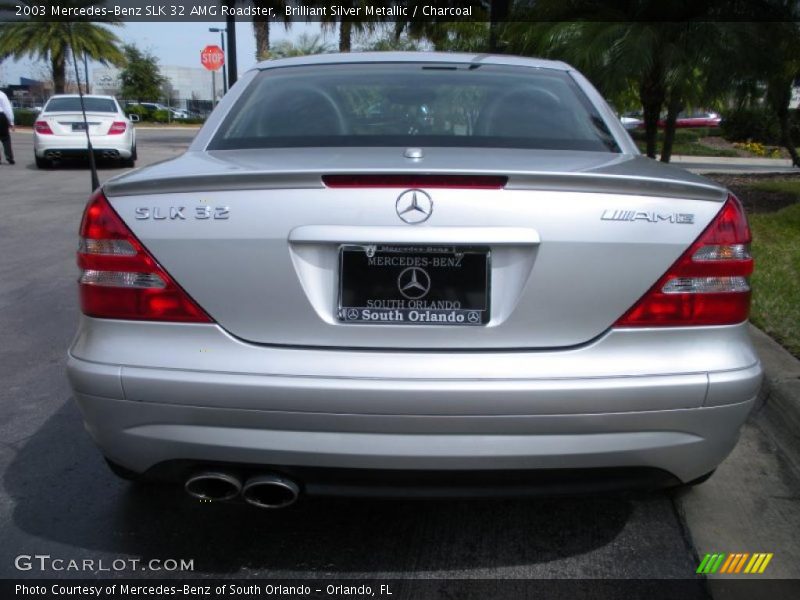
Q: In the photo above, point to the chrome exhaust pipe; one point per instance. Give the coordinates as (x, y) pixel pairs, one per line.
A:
(215, 486)
(270, 491)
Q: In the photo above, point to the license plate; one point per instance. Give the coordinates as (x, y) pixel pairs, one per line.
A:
(408, 285)
(79, 127)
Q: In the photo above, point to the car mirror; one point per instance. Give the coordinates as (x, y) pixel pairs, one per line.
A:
(133, 118)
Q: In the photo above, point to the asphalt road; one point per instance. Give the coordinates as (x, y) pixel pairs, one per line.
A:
(58, 497)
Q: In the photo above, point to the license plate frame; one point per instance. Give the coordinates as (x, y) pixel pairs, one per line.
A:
(444, 285)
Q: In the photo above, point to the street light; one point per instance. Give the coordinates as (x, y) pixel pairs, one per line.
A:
(221, 31)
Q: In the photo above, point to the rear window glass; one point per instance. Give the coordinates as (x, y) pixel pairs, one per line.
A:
(74, 105)
(414, 104)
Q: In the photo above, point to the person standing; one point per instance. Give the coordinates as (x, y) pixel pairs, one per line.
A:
(6, 126)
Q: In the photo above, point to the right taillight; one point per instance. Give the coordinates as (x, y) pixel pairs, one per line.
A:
(120, 279)
(43, 127)
(708, 285)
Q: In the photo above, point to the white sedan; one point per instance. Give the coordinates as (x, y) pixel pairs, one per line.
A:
(60, 132)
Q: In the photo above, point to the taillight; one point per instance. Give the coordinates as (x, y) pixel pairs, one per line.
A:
(43, 127)
(120, 279)
(117, 127)
(484, 182)
(708, 285)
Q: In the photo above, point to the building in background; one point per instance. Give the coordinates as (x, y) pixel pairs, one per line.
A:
(190, 88)
(30, 93)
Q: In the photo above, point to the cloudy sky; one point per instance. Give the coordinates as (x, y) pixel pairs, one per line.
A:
(176, 44)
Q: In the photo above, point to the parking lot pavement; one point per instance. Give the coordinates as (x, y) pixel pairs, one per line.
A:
(58, 498)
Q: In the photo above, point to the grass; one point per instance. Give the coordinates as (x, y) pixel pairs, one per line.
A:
(776, 280)
(780, 187)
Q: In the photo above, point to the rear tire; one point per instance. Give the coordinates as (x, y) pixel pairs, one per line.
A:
(702, 479)
(129, 163)
(123, 473)
(42, 163)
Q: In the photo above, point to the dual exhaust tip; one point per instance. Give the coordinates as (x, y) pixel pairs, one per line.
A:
(56, 154)
(264, 491)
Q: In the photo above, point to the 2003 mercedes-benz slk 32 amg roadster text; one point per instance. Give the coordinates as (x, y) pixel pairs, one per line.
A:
(413, 273)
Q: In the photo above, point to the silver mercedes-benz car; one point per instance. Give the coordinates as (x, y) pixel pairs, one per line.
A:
(413, 273)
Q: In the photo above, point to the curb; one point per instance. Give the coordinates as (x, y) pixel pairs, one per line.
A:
(780, 396)
(733, 160)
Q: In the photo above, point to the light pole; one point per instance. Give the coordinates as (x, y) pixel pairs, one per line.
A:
(221, 31)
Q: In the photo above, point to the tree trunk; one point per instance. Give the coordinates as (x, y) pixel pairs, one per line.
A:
(59, 72)
(652, 95)
(779, 94)
(651, 109)
(673, 108)
(261, 33)
(786, 136)
(498, 11)
(345, 35)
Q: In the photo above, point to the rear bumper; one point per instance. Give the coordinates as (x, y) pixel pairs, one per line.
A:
(339, 409)
(76, 146)
(686, 443)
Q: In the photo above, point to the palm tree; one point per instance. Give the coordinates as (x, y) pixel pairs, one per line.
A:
(667, 56)
(767, 52)
(348, 25)
(261, 25)
(52, 41)
(303, 46)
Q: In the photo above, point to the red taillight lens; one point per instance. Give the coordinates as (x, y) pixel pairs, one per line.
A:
(117, 127)
(43, 127)
(708, 285)
(483, 182)
(120, 279)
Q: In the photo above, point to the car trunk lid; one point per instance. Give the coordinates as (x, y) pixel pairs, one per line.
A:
(570, 242)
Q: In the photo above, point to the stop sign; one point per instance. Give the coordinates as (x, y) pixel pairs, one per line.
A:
(212, 57)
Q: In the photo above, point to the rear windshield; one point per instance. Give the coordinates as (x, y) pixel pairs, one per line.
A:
(74, 105)
(413, 104)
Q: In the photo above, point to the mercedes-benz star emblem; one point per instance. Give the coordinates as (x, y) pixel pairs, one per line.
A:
(414, 283)
(414, 206)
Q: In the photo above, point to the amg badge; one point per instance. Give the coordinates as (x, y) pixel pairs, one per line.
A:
(649, 216)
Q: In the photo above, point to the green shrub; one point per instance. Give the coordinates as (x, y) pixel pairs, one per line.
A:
(139, 110)
(24, 118)
(759, 125)
(684, 135)
(160, 116)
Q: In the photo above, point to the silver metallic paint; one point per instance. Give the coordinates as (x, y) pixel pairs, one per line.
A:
(547, 384)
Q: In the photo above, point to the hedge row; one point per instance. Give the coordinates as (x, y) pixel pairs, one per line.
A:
(24, 118)
(687, 135)
(758, 125)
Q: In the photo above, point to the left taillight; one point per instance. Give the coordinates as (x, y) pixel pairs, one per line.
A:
(43, 127)
(117, 127)
(120, 279)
